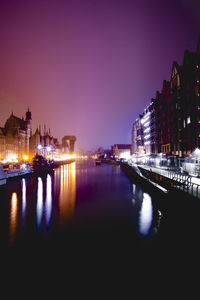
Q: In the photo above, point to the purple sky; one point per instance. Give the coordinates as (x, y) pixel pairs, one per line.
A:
(88, 68)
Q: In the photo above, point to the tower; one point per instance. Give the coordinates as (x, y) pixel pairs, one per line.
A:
(68, 142)
(28, 115)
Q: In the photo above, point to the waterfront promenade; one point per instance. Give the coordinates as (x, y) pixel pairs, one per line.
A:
(187, 183)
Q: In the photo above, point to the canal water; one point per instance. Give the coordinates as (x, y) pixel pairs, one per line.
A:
(86, 215)
(79, 199)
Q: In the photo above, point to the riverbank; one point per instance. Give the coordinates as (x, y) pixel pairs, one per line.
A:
(164, 191)
(26, 171)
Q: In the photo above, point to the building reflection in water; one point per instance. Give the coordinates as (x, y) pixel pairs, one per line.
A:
(137, 194)
(23, 198)
(67, 192)
(13, 217)
(134, 192)
(145, 215)
(48, 203)
(39, 205)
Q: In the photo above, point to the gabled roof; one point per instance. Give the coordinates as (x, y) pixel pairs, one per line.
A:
(15, 122)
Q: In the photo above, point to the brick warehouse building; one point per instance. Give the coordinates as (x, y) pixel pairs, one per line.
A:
(174, 127)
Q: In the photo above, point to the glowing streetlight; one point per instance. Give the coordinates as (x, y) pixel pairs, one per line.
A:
(196, 152)
(48, 149)
(39, 147)
(25, 157)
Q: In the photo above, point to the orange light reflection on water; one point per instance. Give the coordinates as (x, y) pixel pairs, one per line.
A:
(13, 217)
(67, 192)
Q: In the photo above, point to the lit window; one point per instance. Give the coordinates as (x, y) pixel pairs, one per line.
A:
(188, 120)
(183, 123)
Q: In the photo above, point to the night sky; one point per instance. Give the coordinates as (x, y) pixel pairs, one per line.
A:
(88, 68)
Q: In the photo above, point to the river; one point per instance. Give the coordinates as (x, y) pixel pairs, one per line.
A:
(85, 214)
(79, 198)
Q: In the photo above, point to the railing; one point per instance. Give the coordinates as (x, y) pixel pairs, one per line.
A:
(185, 181)
(183, 178)
(187, 184)
(193, 189)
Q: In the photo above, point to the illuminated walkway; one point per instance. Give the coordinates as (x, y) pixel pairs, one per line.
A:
(190, 184)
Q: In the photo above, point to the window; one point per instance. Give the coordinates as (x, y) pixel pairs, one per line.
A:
(183, 123)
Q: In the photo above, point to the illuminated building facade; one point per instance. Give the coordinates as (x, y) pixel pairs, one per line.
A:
(15, 137)
(122, 151)
(18, 143)
(43, 143)
(141, 133)
(171, 123)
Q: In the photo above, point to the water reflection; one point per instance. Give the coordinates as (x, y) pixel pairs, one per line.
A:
(39, 207)
(146, 215)
(67, 192)
(13, 217)
(23, 198)
(48, 203)
(134, 192)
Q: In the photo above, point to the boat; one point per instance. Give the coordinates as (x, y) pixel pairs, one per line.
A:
(42, 165)
(14, 171)
(3, 178)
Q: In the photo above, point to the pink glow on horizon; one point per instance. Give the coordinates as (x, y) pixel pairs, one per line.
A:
(88, 68)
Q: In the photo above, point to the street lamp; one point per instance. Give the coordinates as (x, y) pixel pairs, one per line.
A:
(48, 148)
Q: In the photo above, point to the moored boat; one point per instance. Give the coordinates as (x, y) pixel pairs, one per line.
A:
(17, 171)
(3, 178)
(42, 165)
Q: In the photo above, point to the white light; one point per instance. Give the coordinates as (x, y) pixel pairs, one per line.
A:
(145, 118)
(196, 152)
(147, 142)
(48, 148)
(39, 147)
(147, 130)
(39, 208)
(146, 124)
(146, 215)
(125, 154)
(147, 136)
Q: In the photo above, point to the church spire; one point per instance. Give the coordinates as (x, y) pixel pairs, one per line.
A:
(28, 115)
